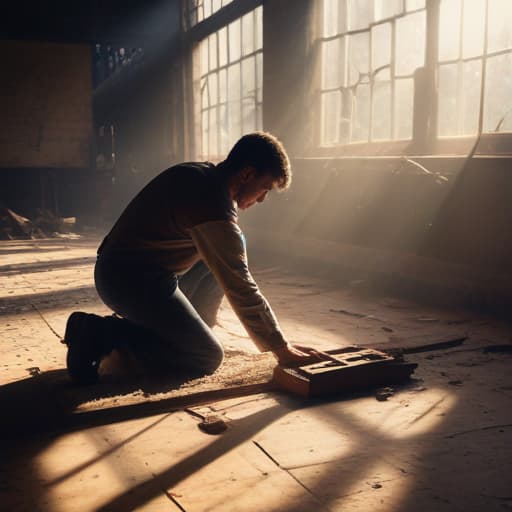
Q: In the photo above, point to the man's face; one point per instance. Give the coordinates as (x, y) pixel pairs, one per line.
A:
(253, 188)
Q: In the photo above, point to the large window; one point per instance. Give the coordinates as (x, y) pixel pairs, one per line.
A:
(199, 10)
(468, 47)
(231, 65)
(370, 50)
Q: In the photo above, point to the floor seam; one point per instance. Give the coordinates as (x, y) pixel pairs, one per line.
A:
(287, 471)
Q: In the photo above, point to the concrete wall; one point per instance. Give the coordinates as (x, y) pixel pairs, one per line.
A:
(380, 216)
(46, 105)
(144, 104)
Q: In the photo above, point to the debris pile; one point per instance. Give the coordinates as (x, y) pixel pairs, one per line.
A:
(44, 224)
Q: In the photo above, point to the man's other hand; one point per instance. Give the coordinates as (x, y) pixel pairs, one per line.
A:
(297, 355)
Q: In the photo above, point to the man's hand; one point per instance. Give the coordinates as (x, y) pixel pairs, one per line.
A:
(297, 355)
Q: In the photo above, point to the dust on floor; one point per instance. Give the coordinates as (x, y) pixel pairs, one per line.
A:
(441, 443)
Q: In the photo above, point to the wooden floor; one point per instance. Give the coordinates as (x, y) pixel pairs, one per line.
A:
(442, 443)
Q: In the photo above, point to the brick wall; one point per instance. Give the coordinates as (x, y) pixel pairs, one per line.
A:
(46, 105)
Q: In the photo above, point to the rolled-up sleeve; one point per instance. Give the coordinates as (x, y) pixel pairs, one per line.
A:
(221, 246)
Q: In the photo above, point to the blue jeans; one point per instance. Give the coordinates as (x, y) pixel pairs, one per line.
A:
(164, 318)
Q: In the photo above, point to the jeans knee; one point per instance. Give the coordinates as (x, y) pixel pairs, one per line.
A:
(214, 359)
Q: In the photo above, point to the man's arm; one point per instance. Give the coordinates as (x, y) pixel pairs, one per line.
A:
(221, 246)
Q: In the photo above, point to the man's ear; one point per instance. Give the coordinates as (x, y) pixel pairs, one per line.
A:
(246, 174)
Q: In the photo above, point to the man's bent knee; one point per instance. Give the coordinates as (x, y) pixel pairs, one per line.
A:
(213, 360)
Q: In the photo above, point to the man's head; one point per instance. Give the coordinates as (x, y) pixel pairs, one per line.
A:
(257, 164)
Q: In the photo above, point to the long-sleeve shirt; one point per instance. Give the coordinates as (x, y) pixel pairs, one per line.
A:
(186, 214)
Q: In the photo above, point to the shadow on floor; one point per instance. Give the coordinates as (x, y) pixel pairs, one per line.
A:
(49, 401)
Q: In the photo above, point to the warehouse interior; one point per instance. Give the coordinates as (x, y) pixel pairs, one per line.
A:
(397, 117)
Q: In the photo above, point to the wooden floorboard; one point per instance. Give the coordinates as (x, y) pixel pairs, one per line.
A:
(442, 442)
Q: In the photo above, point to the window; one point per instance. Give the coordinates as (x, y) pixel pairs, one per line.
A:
(199, 10)
(110, 59)
(370, 50)
(230, 79)
(467, 47)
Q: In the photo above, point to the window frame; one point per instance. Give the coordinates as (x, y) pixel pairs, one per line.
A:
(192, 38)
(425, 138)
(191, 13)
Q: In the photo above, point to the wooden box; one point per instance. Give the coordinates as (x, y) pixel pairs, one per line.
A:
(348, 369)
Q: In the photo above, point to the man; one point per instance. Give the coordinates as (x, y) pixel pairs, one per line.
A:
(160, 267)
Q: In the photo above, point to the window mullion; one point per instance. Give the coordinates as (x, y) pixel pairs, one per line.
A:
(484, 69)
(371, 82)
(392, 72)
(460, 71)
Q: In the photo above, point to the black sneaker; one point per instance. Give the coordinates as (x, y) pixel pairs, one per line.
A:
(83, 337)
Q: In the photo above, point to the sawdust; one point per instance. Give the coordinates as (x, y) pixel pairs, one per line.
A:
(55, 402)
(239, 369)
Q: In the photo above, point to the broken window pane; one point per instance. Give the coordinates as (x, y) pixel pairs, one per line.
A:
(360, 64)
(361, 114)
(371, 71)
(498, 94)
(358, 57)
(404, 98)
(410, 43)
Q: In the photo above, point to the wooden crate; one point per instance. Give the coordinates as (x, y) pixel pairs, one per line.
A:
(348, 369)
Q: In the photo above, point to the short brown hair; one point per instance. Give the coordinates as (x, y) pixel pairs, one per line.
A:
(263, 152)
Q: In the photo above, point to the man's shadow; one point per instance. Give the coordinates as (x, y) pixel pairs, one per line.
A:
(50, 401)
